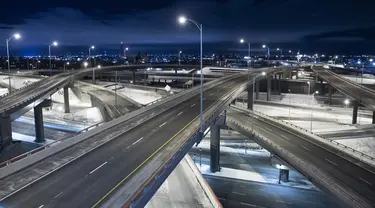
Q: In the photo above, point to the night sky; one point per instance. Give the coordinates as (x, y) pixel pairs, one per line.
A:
(310, 25)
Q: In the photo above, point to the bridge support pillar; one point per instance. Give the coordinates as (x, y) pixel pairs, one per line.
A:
(269, 88)
(250, 97)
(355, 112)
(5, 131)
(233, 102)
(373, 117)
(66, 99)
(38, 117)
(257, 90)
(330, 91)
(93, 76)
(215, 148)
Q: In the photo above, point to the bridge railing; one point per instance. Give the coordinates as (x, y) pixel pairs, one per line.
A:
(339, 189)
(348, 150)
(46, 146)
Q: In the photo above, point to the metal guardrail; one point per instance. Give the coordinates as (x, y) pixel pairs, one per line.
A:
(30, 153)
(315, 135)
(351, 198)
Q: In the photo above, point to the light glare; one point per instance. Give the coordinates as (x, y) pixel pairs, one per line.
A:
(17, 36)
(55, 43)
(182, 20)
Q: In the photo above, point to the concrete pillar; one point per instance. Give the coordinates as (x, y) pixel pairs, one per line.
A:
(233, 102)
(93, 76)
(373, 117)
(284, 175)
(215, 148)
(66, 99)
(269, 88)
(297, 74)
(133, 77)
(355, 112)
(5, 131)
(330, 91)
(250, 97)
(100, 105)
(279, 86)
(257, 90)
(38, 118)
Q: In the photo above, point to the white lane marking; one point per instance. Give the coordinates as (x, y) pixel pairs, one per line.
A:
(192, 105)
(331, 162)
(217, 90)
(111, 158)
(247, 204)
(137, 141)
(365, 181)
(98, 167)
(58, 195)
(238, 193)
(269, 129)
(203, 98)
(305, 148)
(210, 94)
(180, 113)
(41, 206)
(284, 137)
(243, 186)
(280, 201)
(222, 199)
(162, 124)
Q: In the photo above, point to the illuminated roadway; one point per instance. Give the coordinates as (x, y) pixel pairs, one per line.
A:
(90, 180)
(357, 92)
(347, 170)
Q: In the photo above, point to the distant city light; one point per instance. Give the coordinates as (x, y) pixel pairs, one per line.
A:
(278, 49)
(316, 92)
(358, 62)
(371, 60)
(99, 66)
(126, 48)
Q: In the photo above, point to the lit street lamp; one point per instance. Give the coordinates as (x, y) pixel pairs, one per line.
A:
(346, 102)
(179, 57)
(281, 52)
(16, 36)
(85, 64)
(312, 109)
(249, 61)
(126, 49)
(252, 100)
(67, 63)
(49, 55)
(92, 47)
(183, 20)
(268, 50)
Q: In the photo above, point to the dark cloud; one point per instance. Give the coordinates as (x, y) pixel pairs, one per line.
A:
(363, 34)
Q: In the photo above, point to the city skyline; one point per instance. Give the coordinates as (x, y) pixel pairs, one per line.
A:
(312, 25)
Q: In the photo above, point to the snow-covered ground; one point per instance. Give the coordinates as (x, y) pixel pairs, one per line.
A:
(17, 82)
(365, 80)
(3, 91)
(320, 120)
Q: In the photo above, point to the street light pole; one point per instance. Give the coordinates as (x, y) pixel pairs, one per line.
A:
(16, 36)
(312, 98)
(183, 20)
(179, 57)
(89, 58)
(290, 101)
(248, 63)
(49, 55)
(125, 54)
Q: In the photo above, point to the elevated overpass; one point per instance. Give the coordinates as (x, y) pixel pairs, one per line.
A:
(359, 94)
(172, 129)
(348, 177)
(33, 96)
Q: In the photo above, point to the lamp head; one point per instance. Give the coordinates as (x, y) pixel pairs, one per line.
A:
(278, 49)
(182, 20)
(242, 41)
(99, 66)
(67, 63)
(92, 47)
(17, 36)
(126, 49)
(263, 73)
(54, 43)
(264, 46)
(85, 64)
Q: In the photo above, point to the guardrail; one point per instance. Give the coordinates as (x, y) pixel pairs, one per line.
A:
(349, 152)
(46, 146)
(191, 134)
(340, 190)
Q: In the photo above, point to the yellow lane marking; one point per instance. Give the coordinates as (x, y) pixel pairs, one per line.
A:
(140, 165)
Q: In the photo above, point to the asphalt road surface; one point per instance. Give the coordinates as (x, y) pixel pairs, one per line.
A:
(85, 182)
(348, 170)
(235, 193)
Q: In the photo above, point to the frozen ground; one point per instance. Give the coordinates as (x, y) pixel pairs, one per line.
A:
(367, 79)
(17, 82)
(3, 91)
(320, 119)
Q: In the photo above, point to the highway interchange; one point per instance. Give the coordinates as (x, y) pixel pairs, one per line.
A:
(88, 181)
(347, 170)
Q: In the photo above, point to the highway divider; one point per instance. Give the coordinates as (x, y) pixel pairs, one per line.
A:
(320, 178)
